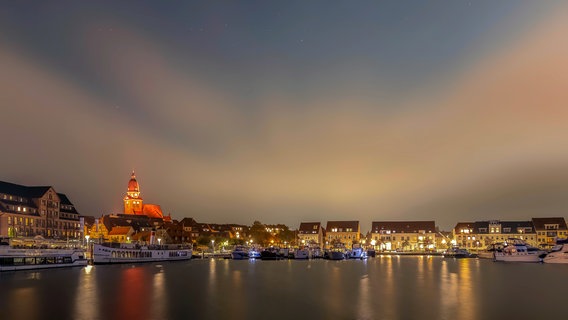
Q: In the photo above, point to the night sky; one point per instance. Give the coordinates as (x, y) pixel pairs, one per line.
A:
(291, 111)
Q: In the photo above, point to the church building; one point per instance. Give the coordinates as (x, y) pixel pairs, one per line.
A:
(134, 204)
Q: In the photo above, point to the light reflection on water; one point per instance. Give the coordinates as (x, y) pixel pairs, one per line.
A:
(381, 288)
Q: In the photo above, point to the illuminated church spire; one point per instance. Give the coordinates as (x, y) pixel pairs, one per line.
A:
(133, 200)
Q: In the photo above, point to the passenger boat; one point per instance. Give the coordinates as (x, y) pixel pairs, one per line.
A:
(132, 253)
(559, 254)
(516, 250)
(457, 253)
(30, 258)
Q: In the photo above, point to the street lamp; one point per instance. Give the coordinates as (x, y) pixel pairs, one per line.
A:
(87, 238)
(160, 242)
(213, 245)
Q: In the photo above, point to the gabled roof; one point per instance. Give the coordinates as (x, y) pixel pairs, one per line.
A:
(188, 222)
(539, 223)
(118, 231)
(403, 226)
(309, 227)
(354, 225)
(463, 225)
(22, 191)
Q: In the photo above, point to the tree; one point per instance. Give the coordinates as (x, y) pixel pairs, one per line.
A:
(259, 234)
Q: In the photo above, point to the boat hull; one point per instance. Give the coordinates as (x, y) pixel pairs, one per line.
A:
(32, 259)
(110, 255)
(335, 255)
(518, 258)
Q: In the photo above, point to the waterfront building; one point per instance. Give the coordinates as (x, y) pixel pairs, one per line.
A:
(342, 232)
(404, 235)
(31, 211)
(121, 234)
(311, 233)
(478, 235)
(549, 229)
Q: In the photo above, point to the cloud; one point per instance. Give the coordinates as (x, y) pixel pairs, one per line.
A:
(488, 145)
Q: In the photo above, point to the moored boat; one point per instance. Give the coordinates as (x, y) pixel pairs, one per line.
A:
(356, 252)
(301, 254)
(13, 259)
(240, 253)
(558, 254)
(517, 250)
(457, 253)
(270, 253)
(489, 252)
(132, 253)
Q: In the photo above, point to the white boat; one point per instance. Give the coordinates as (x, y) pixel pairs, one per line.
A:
(489, 252)
(316, 253)
(131, 253)
(240, 253)
(559, 254)
(13, 259)
(302, 254)
(356, 252)
(254, 253)
(517, 250)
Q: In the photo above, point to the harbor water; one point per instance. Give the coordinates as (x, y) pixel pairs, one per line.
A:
(418, 287)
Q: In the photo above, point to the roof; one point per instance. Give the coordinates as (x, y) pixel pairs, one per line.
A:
(403, 226)
(309, 227)
(463, 225)
(152, 211)
(343, 225)
(539, 223)
(88, 220)
(119, 231)
(22, 191)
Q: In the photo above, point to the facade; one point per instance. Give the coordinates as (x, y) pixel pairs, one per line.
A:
(404, 235)
(311, 234)
(342, 232)
(548, 229)
(120, 234)
(32, 211)
(480, 234)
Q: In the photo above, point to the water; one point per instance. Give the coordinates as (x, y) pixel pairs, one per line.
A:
(379, 288)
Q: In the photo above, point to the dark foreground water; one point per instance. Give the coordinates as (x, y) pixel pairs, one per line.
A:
(379, 288)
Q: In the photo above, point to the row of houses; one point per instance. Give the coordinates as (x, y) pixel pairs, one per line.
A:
(424, 235)
(41, 211)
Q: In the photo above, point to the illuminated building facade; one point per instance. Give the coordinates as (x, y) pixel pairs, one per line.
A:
(480, 234)
(404, 235)
(344, 232)
(31, 211)
(310, 234)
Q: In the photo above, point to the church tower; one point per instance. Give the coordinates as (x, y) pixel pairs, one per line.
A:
(132, 200)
